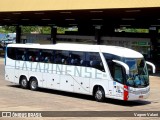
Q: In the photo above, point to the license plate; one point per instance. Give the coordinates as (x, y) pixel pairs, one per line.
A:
(141, 97)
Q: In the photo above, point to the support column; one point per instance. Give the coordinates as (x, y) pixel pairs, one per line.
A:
(153, 32)
(53, 34)
(98, 34)
(18, 34)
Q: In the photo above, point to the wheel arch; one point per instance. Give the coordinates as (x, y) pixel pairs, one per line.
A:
(32, 77)
(95, 87)
(20, 78)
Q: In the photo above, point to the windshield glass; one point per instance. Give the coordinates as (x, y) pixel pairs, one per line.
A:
(138, 76)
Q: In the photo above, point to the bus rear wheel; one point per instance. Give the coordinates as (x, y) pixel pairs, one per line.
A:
(33, 84)
(24, 82)
(99, 94)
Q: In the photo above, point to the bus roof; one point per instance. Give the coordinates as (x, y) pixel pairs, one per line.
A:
(116, 50)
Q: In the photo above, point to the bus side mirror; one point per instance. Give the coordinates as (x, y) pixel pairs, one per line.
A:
(126, 67)
(152, 65)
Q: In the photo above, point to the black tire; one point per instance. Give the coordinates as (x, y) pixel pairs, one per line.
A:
(24, 82)
(33, 84)
(99, 94)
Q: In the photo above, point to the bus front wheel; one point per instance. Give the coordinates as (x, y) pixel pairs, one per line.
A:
(99, 94)
(24, 82)
(33, 84)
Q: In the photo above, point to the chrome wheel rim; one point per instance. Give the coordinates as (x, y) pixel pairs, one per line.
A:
(24, 82)
(99, 95)
(34, 84)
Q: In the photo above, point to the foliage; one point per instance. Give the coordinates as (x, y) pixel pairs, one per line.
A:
(36, 29)
(62, 30)
(46, 30)
(8, 29)
(26, 29)
(132, 30)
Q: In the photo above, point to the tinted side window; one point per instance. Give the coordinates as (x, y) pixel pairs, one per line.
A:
(61, 56)
(118, 73)
(76, 58)
(110, 57)
(11, 53)
(93, 59)
(20, 54)
(45, 56)
(32, 55)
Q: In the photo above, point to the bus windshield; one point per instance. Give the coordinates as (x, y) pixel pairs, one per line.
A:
(138, 76)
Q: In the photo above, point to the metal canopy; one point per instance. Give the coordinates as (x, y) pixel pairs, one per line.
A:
(138, 17)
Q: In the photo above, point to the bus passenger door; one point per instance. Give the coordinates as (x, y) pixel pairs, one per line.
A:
(118, 82)
(120, 70)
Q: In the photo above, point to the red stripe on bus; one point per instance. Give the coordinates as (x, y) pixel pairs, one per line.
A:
(125, 96)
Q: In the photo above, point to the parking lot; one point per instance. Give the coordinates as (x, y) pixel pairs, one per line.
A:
(14, 98)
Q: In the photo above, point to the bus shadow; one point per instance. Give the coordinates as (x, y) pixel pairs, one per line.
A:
(91, 98)
(67, 94)
(57, 92)
(128, 103)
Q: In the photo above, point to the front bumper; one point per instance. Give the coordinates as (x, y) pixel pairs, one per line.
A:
(138, 94)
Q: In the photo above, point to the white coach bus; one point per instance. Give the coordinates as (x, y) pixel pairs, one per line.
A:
(98, 70)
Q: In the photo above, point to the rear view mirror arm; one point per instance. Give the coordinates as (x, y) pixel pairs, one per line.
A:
(123, 64)
(152, 65)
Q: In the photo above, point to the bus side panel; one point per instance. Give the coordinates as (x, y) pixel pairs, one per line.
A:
(100, 82)
(20, 69)
(9, 73)
(16, 75)
(9, 70)
(38, 76)
(52, 81)
(111, 88)
(99, 78)
(23, 70)
(115, 90)
(36, 71)
(50, 76)
(81, 79)
(82, 85)
(66, 83)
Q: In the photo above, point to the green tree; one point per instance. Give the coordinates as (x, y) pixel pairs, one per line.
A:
(46, 30)
(8, 29)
